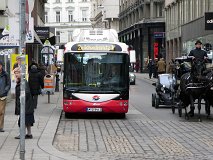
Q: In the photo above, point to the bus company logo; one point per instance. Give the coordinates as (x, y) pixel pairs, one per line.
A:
(209, 21)
(96, 97)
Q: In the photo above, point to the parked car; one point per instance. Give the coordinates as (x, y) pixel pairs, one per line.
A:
(132, 78)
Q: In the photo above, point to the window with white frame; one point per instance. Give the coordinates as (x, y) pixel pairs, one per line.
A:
(57, 1)
(84, 0)
(70, 36)
(58, 16)
(46, 17)
(70, 1)
(70, 16)
(57, 36)
(84, 15)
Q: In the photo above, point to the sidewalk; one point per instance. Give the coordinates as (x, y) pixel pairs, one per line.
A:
(47, 116)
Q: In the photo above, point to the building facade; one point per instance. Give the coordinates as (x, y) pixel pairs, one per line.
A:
(185, 23)
(67, 15)
(104, 14)
(142, 26)
(9, 18)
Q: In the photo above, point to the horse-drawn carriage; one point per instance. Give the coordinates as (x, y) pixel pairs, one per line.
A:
(195, 87)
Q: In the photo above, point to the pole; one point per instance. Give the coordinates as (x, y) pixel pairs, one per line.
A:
(22, 34)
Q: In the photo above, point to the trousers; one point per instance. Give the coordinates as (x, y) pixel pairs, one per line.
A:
(2, 112)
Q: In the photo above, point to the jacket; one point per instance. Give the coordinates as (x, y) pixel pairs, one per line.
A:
(29, 108)
(198, 53)
(5, 83)
(161, 66)
(35, 81)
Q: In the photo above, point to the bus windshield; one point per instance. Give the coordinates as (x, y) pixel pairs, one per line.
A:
(90, 71)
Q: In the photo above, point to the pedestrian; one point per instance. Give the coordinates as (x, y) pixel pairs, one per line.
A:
(155, 74)
(29, 108)
(137, 65)
(5, 85)
(43, 70)
(151, 66)
(36, 83)
(161, 64)
(33, 63)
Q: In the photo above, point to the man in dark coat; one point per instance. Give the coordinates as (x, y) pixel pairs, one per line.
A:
(36, 83)
(198, 53)
(5, 85)
(29, 108)
(151, 67)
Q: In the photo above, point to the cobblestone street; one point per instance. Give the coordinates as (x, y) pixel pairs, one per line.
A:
(134, 138)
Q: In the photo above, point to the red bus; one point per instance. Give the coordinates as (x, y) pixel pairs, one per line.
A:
(96, 78)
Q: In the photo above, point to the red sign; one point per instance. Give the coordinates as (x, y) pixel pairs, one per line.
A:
(155, 49)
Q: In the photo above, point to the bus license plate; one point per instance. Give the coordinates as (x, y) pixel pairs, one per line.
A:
(94, 109)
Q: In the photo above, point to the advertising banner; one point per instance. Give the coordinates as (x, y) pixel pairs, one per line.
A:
(12, 63)
(209, 21)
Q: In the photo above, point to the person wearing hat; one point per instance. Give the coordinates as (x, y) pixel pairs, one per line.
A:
(198, 53)
(5, 85)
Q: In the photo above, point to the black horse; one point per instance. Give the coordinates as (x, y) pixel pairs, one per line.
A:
(193, 86)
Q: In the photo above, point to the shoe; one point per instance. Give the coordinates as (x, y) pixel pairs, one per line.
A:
(1, 130)
(17, 137)
(29, 136)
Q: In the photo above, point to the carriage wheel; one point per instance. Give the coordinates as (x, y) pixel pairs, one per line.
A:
(153, 99)
(157, 100)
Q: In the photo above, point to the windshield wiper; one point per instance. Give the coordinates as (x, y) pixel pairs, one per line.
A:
(74, 90)
(114, 90)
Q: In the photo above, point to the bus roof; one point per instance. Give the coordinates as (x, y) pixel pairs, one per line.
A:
(96, 46)
(95, 34)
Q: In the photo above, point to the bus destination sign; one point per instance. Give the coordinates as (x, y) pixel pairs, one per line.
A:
(96, 47)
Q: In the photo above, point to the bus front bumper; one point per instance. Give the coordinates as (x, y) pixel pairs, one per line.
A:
(79, 106)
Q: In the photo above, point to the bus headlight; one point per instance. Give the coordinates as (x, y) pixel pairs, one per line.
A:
(125, 103)
(67, 103)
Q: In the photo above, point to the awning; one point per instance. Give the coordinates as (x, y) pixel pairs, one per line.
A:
(37, 38)
(8, 47)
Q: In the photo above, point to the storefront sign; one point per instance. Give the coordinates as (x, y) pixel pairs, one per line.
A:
(209, 21)
(159, 34)
(42, 32)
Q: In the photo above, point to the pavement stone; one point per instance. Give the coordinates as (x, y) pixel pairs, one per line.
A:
(134, 138)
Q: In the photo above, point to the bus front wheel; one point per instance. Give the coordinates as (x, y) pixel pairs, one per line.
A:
(68, 115)
(122, 115)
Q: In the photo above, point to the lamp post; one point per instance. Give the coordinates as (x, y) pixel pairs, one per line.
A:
(22, 34)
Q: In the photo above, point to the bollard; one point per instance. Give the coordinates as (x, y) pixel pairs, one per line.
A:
(57, 83)
(48, 92)
(49, 85)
